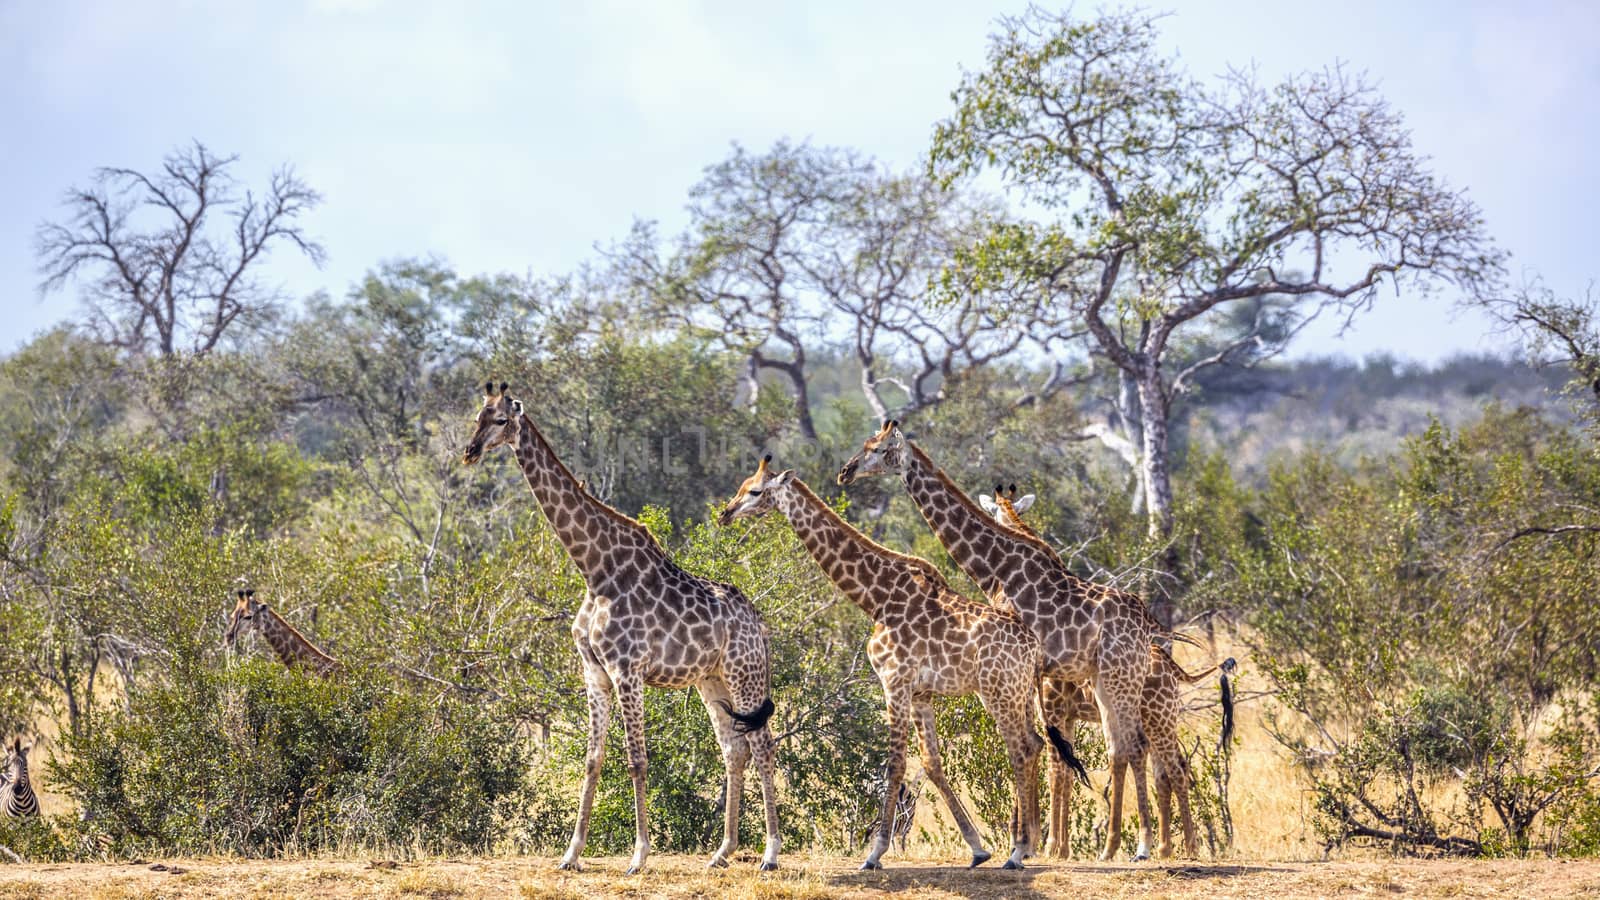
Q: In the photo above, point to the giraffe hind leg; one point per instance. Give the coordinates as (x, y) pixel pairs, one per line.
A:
(764, 750)
(630, 699)
(735, 755)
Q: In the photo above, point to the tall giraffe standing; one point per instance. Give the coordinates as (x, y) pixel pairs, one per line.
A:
(927, 640)
(644, 621)
(1090, 633)
(1160, 708)
(292, 647)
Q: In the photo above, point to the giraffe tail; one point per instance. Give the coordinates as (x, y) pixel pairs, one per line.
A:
(1226, 738)
(1058, 741)
(755, 720)
(1064, 752)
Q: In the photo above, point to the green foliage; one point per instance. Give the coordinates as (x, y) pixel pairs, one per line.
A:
(257, 760)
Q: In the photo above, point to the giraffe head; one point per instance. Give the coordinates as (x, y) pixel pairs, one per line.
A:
(883, 454)
(1005, 506)
(246, 612)
(757, 494)
(497, 422)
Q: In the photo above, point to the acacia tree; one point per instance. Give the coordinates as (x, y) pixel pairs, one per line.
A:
(736, 274)
(878, 265)
(1560, 331)
(1173, 200)
(803, 242)
(168, 261)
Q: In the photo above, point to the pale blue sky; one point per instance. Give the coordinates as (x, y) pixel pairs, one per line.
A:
(514, 136)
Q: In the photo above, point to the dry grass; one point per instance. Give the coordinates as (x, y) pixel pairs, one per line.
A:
(802, 878)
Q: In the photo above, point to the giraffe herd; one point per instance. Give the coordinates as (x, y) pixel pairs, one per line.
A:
(1046, 643)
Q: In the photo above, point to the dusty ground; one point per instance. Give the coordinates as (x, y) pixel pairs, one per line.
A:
(802, 878)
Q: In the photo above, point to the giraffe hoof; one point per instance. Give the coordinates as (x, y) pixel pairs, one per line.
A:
(1140, 857)
(569, 865)
(1012, 865)
(871, 865)
(634, 870)
(979, 858)
(717, 862)
(769, 867)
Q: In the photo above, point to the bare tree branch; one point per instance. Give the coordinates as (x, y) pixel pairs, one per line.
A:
(185, 280)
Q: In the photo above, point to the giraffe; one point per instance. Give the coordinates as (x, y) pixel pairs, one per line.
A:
(292, 647)
(644, 621)
(1089, 632)
(927, 640)
(1160, 707)
(17, 799)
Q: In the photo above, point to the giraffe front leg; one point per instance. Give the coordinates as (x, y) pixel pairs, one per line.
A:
(1161, 769)
(1183, 781)
(735, 754)
(1058, 844)
(1059, 706)
(899, 708)
(599, 697)
(630, 698)
(933, 765)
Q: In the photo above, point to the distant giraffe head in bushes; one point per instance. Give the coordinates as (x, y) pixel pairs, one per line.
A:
(292, 647)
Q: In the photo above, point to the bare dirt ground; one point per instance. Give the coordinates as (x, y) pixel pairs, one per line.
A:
(802, 878)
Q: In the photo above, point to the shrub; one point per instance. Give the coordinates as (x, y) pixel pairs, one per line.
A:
(260, 761)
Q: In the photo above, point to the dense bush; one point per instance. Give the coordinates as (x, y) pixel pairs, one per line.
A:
(257, 760)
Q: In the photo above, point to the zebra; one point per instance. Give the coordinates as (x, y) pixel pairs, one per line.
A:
(17, 799)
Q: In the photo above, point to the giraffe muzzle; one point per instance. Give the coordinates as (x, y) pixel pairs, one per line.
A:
(847, 472)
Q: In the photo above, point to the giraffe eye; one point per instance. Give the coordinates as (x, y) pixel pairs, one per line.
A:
(754, 492)
(500, 421)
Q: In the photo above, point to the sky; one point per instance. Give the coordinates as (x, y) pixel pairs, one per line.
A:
(515, 137)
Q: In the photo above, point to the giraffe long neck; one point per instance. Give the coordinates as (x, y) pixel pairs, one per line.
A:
(992, 555)
(861, 568)
(1009, 518)
(292, 647)
(588, 529)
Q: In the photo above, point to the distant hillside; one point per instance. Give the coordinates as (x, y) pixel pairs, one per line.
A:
(1353, 409)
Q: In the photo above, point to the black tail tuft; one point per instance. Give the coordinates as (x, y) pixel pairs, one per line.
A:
(1226, 739)
(744, 723)
(1063, 748)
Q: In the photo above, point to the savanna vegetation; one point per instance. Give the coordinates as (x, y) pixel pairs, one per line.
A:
(1410, 555)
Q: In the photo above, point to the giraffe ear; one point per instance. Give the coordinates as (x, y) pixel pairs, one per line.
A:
(516, 406)
(782, 478)
(988, 504)
(1022, 503)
